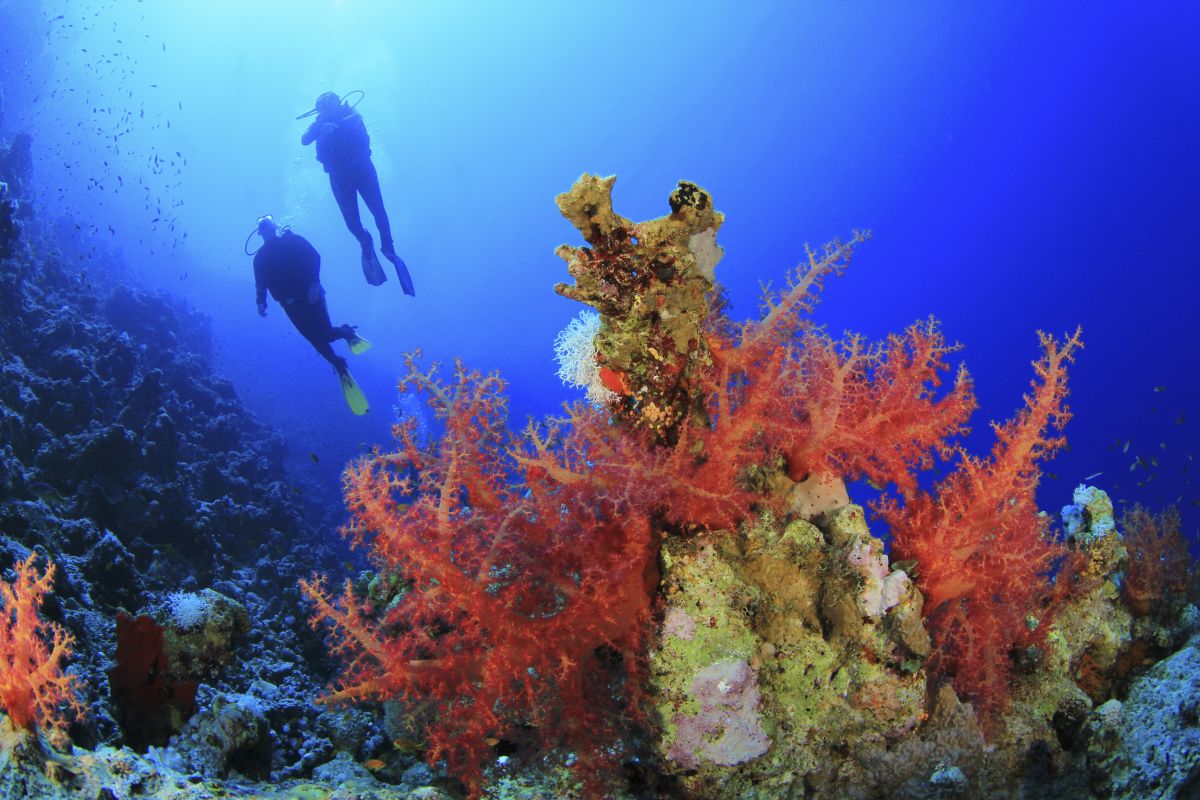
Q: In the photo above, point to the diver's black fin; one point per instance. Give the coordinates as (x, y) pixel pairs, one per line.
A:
(401, 272)
(372, 271)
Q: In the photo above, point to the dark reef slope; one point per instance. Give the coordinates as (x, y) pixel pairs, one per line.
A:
(130, 464)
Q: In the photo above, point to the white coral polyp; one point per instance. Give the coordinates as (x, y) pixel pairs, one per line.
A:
(575, 351)
(187, 609)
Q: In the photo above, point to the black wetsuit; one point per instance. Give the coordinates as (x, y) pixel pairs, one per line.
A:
(290, 268)
(346, 153)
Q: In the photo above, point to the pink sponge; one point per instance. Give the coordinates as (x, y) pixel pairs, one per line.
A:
(728, 729)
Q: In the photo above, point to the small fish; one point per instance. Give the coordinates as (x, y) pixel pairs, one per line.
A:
(404, 745)
(1052, 475)
(374, 764)
(314, 458)
(45, 491)
(491, 741)
(1179, 420)
(1160, 388)
(1125, 449)
(1093, 475)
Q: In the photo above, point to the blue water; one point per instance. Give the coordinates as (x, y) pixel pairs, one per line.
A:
(1021, 167)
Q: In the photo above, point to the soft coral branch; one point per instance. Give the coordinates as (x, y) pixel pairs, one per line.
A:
(527, 584)
(983, 551)
(34, 689)
(1159, 561)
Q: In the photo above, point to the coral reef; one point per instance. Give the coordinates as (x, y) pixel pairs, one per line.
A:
(792, 656)
(1149, 744)
(668, 592)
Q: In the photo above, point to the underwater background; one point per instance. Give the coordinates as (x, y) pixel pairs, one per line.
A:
(1020, 168)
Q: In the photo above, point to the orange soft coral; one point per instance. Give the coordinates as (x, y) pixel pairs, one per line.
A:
(982, 549)
(530, 588)
(34, 690)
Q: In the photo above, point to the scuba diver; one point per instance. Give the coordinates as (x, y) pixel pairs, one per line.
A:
(290, 268)
(344, 148)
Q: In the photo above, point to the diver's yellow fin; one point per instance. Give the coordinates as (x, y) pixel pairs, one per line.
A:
(359, 345)
(354, 395)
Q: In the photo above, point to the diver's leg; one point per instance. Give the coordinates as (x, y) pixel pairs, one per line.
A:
(344, 192)
(312, 321)
(368, 187)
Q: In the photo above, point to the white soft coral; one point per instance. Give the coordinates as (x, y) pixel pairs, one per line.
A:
(575, 351)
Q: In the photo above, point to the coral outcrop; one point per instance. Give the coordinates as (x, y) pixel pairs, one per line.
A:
(790, 655)
(788, 611)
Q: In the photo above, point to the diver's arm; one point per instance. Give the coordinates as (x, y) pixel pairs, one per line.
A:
(318, 131)
(260, 289)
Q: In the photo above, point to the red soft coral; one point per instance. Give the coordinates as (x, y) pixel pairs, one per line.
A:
(530, 588)
(982, 549)
(34, 690)
(1159, 561)
(780, 389)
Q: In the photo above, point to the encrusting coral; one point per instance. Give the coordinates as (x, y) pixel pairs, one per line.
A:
(706, 494)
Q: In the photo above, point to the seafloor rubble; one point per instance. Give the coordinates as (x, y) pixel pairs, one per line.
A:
(726, 624)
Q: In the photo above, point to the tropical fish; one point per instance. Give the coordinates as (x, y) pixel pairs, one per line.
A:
(44, 491)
